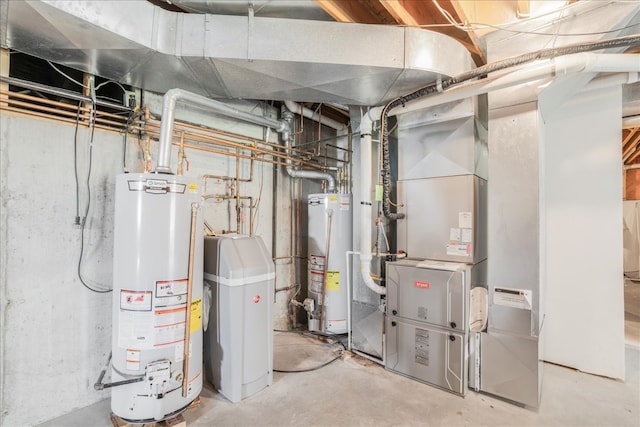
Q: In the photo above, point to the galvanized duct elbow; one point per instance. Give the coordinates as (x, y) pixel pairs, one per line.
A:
(173, 96)
(301, 173)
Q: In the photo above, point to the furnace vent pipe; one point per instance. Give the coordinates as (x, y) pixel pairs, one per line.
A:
(366, 129)
(302, 173)
(310, 114)
(173, 96)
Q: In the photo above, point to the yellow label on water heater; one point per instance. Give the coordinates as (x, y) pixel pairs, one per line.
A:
(196, 316)
(333, 280)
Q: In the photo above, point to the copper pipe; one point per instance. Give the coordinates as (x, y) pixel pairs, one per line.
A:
(228, 197)
(47, 116)
(187, 325)
(179, 124)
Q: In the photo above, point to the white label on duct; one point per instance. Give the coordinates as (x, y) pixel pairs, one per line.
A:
(454, 234)
(465, 220)
(135, 329)
(466, 235)
(133, 359)
(344, 203)
(135, 300)
(458, 249)
(516, 298)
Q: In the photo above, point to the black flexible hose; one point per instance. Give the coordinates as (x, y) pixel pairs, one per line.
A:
(479, 72)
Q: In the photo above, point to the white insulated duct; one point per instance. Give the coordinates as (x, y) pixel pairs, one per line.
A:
(366, 128)
(585, 62)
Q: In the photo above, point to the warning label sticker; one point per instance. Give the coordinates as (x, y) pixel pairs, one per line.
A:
(169, 325)
(135, 329)
(516, 298)
(344, 203)
(133, 359)
(171, 292)
(459, 249)
(333, 280)
(195, 323)
(135, 300)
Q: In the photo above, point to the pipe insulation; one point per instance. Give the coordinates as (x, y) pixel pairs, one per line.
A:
(483, 71)
(366, 129)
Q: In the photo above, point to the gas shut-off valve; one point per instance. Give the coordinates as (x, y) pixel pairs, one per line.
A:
(159, 378)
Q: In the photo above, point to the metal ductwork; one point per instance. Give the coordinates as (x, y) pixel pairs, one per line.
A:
(223, 56)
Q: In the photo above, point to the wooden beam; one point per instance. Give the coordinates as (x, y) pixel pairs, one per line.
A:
(629, 158)
(627, 138)
(5, 59)
(426, 13)
(348, 11)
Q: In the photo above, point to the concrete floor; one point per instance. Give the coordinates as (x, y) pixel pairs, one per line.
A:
(354, 391)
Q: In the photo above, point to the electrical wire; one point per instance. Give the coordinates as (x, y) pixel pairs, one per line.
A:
(86, 213)
(67, 76)
(75, 164)
(113, 82)
(316, 335)
(473, 26)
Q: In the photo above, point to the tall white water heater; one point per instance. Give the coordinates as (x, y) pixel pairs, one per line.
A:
(157, 296)
(330, 229)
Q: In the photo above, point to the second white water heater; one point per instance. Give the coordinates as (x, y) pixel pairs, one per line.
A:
(330, 237)
(156, 364)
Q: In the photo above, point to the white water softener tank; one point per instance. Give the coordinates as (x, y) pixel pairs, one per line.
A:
(157, 230)
(238, 340)
(330, 229)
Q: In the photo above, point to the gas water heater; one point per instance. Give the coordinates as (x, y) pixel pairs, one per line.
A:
(330, 229)
(156, 365)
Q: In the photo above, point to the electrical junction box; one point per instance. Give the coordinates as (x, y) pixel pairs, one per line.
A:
(238, 340)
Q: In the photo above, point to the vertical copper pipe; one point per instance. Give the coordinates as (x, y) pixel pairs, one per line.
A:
(187, 325)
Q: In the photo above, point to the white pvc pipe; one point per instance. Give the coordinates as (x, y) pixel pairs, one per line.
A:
(173, 96)
(310, 114)
(562, 65)
(366, 128)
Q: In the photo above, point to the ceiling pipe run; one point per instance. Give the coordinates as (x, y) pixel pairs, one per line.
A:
(316, 117)
(560, 66)
(173, 96)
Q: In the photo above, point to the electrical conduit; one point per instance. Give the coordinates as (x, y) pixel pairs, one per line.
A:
(366, 128)
(560, 66)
